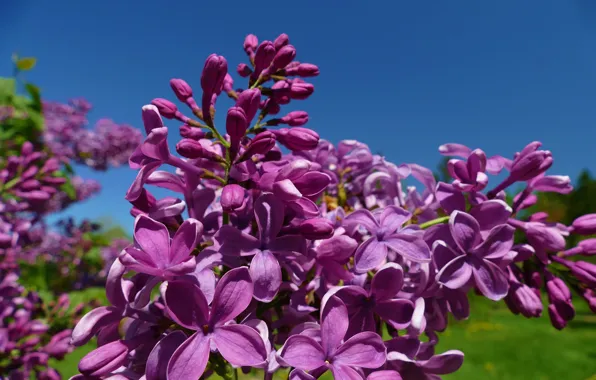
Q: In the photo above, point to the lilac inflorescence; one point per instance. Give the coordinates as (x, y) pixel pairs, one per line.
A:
(319, 259)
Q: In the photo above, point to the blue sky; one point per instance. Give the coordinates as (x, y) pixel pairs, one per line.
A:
(403, 77)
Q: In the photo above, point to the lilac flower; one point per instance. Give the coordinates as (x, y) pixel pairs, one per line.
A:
(240, 345)
(154, 254)
(471, 257)
(381, 299)
(365, 350)
(386, 232)
(269, 250)
(469, 175)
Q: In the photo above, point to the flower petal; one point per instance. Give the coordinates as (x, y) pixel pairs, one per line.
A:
(153, 239)
(393, 217)
(465, 230)
(299, 374)
(185, 240)
(450, 198)
(233, 294)
(240, 345)
(334, 324)
(456, 273)
(384, 375)
(410, 246)
(369, 255)
(235, 242)
(490, 279)
(303, 352)
(338, 248)
(397, 312)
(166, 180)
(343, 372)
(491, 213)
(157, 362)
(498, 243)
(364, 218)
(185, 303)
(265, 272)
(387, 282)
(269, 212)
(364, 350)
(190, 359)
(443, 364)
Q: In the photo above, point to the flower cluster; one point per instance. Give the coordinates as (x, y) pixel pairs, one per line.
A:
(32, 333)
(319, 259)
(66, 135)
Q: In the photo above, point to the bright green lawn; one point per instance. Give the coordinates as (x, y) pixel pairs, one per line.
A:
(500, 345)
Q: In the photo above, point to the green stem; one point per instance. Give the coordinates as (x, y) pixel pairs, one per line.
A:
(430, 223)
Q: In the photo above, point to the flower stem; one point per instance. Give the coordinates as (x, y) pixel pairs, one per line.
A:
(433, 222)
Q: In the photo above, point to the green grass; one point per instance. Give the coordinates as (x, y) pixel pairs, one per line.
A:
(498, 345)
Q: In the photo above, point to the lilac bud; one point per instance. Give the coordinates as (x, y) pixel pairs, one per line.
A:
(232, 197)
(316, 228)
(301, 90)
(249, 101)
(590, 297)
(556, 319)
(243, 70)
(302, 70)
(192, 132)
(228, 84)
(585, 272)
(547, 237)
(295, 118)
(283, 57)
(193, 149)
(213, 75)
(588, 246)
(264, 56)
(104, 359)
(236, 123)
(281, 41)
(298, 138)
(260, 144)
(166, 108)
(530, 164)
(522, 299)
(585, 225)
(272, 107)
(250, 43)
(560, 296)
(151, 118)
(182, 89)
(552, 183)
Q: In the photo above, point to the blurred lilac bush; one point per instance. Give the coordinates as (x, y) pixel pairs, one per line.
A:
(316, 257)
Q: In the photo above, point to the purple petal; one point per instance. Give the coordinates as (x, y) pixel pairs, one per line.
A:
(303, 352)
(343, 372)
(491, 213)
(490, 279)
(233, 294)
(497, 244)
(410, 246)
(299, 374)
(185, 303)
(456, 273)
(202, 199)
(387, 282)
(443, 364)
(236, 243)
(454, 149)
(135, 189)
(166, 180)
(361, 320)
(114, 291)
(240, 345)
(424, 175)
(334, 324)
(364, 350)
(465, 230)
(364, 218)
(265, 272)
(450, 198)
(269, 212)
(286, 191)
(190, 359)
(408, 346)
(339, 248)
(304, 207)
(384, 375)
(153, 239)
(369, 255)
(185, 240)
(393, 217)
(92, 322)
(443, 254)
(397, 312)
(312, 183)
(157, 362)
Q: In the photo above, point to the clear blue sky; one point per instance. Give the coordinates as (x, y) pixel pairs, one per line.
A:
(404, 77)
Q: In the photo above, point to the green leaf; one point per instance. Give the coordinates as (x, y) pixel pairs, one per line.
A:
(26, 64)
(35, 93)
(7, 91)
(69, 189)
